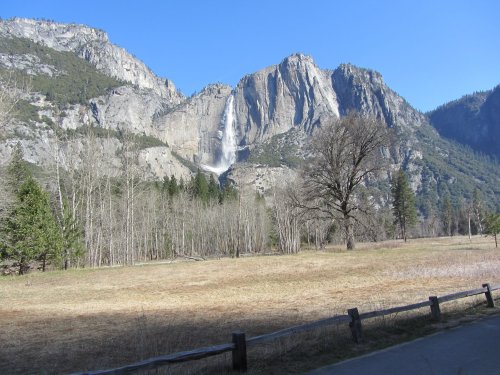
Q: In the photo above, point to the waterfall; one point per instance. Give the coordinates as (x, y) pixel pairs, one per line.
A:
(228, 142)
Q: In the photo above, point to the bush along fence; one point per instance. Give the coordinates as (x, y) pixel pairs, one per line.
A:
(240, 343)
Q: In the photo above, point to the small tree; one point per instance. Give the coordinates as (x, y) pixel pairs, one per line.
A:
(213, 189)
(72, 237)
(403, 202)
(182, 185)
(15, 174)
(17, 170)
(200, 187)
(173, 188)
(477, 209)
(165, 184)
(447, 216)
(492, 226)
(286, 221)
(30, 232)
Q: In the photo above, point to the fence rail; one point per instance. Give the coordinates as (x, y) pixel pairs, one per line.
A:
(239, 343)
(467, 293)
(394, 310)
(297, 329)
(155, 362)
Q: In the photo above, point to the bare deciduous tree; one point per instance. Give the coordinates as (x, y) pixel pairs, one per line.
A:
(345, 152)
(286, 221)
(11, 91)
(10, 94)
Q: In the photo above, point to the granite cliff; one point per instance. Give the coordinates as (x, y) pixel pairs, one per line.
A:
(274, 112)
(94, 46)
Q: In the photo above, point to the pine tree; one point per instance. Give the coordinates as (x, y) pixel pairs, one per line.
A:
(17, 169)
(403, 201)
(492, 226)
(199, 187)
(165, 184)
(182, 185)
(173, 188)
(31, 232)
(213, 189)
(447, 216)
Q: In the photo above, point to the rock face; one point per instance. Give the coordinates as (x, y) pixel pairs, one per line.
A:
(128, 109)
(194, 128)
(158, 162)
(260, 179)
(131, 108)
(275, 110)
(29, 63)
(364, 90)
(294, 93)
(92, 45)
(473, 120)
(297, 95)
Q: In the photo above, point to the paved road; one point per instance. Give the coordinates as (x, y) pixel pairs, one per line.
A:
(470, 349)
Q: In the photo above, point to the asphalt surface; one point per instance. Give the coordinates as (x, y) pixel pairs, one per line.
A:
(470, 349)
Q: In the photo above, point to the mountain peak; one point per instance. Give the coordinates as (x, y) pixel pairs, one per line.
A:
(298, 59)
(94, 46)
(214, 89)
(271, 114)
(59, 36)
(349, 69)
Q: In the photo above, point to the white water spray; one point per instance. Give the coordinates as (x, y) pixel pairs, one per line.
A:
(228, 141)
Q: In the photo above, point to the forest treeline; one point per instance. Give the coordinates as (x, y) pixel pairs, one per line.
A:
(89, 218)
(83, 215)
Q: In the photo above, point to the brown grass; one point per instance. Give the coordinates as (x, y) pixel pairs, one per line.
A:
(87, 319)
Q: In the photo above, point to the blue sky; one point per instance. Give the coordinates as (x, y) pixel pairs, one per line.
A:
(429, 52)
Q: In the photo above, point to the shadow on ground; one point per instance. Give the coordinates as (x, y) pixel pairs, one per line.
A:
(52, 345)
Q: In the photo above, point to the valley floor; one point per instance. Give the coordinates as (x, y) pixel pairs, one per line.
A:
(61, 322)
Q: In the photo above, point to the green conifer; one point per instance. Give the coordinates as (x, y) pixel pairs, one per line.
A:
(403, 202)
(31, 232)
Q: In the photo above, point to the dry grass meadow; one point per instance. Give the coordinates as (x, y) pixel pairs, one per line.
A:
(60, 322)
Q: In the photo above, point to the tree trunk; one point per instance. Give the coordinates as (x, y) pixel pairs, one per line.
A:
(349, 229)
(238, 235)
(22, 266)
(468, 222)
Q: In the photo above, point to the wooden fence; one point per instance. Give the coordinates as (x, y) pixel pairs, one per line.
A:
(240, 343)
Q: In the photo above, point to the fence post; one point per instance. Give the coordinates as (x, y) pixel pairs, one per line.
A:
(490, 302)
(435, 310)
(355, 325)
(239, 352)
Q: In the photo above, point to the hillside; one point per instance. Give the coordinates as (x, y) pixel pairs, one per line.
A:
(82, 84)
(66, 100)
(473, 120)
(437, 166)
(92, 45)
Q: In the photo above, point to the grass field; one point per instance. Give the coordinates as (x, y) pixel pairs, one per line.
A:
(61, 322)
